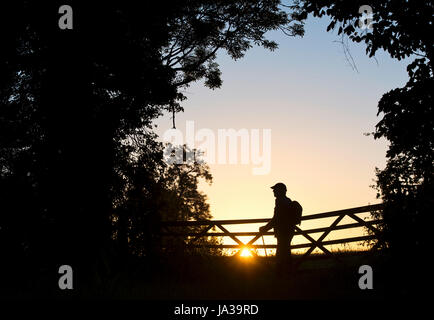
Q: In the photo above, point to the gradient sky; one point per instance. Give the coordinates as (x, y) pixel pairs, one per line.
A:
(317, 108)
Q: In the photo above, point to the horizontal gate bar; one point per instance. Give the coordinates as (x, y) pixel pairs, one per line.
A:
(368, 208)
(254, 233)
(296, 246)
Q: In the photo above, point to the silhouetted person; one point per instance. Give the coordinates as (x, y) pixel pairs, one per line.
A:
(287, 214)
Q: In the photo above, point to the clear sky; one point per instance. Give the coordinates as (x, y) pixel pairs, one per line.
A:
(317, 108)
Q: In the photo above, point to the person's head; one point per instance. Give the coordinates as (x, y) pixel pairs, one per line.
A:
(279, 190)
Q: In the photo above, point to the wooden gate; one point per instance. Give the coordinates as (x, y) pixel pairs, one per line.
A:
(169, 229)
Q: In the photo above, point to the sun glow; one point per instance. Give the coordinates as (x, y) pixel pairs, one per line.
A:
(245, 253)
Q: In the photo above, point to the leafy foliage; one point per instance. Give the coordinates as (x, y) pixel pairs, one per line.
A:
(403, 29)
(72, 101)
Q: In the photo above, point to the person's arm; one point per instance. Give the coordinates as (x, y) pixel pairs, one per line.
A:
(269, 225)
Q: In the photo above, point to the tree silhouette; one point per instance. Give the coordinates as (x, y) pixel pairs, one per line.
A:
(152, 190)
(403, 29)
(71, 98)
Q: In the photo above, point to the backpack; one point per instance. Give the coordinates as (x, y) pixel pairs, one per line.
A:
(296, 211)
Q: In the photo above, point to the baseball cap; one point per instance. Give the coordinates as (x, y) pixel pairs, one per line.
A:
(279, 186)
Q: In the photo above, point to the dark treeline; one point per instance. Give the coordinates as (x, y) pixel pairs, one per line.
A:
(82, 174)
(403, 29)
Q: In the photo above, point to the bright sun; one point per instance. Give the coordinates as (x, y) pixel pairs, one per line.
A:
(245, 253)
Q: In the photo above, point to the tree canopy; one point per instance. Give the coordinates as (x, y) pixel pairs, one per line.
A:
(79, 163)
(404, 30)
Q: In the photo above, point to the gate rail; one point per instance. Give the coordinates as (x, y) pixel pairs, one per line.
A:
(311, 244)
